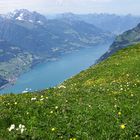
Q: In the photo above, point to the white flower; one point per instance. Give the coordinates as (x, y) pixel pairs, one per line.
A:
(56, 107)
(12, 127)
(42, 96)
(22, 130)
(41, 99)
(51, 112)
(33, 99)
(21, 126)
(61, 86)
(121, 89)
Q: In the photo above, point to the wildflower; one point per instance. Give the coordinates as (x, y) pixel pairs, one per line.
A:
(15, 103)
(119, 113)
(89, 106)
(72, 138)
(41, 99)
(12, 127)
(33, 99)
(122, 126)
(27, 113)
(115, 106)
(56, 107)
(121, 89)
(61, 86)
(21, 128)
(136, 136)
(51, 112)
(132, 95)
(53, 129)
(42, 96)
(46, 97)
(127, 75)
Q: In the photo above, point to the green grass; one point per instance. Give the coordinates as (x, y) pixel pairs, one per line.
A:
(93, 105)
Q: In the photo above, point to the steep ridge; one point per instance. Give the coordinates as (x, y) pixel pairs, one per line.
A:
(102, 102)
(127, 38)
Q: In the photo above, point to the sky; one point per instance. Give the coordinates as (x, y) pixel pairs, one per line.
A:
(75, 6)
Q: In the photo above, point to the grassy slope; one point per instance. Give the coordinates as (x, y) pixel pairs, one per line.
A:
(94, 104)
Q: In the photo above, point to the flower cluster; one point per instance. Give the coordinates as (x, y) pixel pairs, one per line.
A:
(33, 99)
(20, 128)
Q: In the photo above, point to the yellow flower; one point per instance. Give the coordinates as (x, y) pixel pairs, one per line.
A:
(72, 138)
(53, 129)
(119, 113)
(122, 126)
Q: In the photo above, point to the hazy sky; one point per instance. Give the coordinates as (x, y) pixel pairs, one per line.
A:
(75, 6)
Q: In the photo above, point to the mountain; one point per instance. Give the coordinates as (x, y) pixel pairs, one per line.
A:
(13, 61)
(26, 16)
(129, 37)
(29, 38)
(115, 24)
(52, 35)
(102, 102)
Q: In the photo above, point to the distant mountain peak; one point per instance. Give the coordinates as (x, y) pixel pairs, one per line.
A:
(26, 15)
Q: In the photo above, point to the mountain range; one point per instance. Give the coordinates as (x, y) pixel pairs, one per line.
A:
(27, 38)
(116, 24)
(31, 38)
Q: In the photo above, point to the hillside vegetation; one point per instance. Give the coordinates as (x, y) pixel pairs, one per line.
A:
(130, 37)
(101, 103)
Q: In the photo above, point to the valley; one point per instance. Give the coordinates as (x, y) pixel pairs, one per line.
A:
(49, 74)
(30, 38)
(69, 70)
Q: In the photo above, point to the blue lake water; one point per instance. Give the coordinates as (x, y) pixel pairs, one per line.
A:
(49, 74)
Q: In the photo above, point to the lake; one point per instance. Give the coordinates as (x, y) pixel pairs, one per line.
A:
(49, 74)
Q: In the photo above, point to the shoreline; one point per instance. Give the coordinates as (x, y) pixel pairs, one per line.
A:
(13, 80)
(10, 83)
